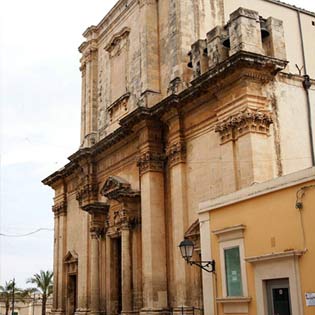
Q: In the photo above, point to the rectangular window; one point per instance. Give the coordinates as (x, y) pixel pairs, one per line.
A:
(233, 272)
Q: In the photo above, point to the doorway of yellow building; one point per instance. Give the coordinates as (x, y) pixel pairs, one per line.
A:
(278, 297)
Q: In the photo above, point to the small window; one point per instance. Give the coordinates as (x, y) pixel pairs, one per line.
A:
(313, 23)
(233, 272)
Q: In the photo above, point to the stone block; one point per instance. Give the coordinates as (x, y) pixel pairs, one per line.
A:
(245, 32)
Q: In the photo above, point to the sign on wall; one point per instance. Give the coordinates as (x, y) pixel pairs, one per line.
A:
(310, 299)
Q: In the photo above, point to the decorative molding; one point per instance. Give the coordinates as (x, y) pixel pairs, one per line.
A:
(273, 256)
(193, 233)
(151, 162)
(120, 105)
(248, 121)
(123, 218)
(98, 212)
(232, 299)
(176, 153)
(87, 189)
(117, 188)
(146, 2)
(71, 259)
(60, 208)
(86, 193)
(230, 233)
(116, 41)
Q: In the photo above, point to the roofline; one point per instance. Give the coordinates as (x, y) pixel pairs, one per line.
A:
(260, 189)
(291, 6)
(205, 81)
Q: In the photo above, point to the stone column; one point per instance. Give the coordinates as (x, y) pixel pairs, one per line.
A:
(151, 167)
(61, 266)
(95, 283)
(126, 270)
(176, 154)
(97, 212)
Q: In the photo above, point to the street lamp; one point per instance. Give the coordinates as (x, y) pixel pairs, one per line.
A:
(187, 249)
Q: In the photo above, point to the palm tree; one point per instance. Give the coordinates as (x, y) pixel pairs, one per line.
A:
(6, 294)
(44, 283)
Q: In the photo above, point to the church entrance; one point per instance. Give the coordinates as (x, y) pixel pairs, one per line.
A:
(72, 294)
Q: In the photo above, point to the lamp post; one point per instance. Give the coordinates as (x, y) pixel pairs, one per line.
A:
(187, 249)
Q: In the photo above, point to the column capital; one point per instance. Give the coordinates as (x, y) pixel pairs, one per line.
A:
(60, 208)
(248, 121)
(151, 162)
(176, 153)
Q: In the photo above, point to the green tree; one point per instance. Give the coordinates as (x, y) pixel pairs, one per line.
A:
(44, 284)
(6, 294)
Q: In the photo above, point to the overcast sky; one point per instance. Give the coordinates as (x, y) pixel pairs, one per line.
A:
(40, 118)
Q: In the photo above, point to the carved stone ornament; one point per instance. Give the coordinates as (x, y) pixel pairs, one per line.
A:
(176, 153)
(98, 212)
(60, 208)
(119, 107)
(117, 42)
(117, 188)
(71, 259)
(193, 233)
(87, 193)
(246, 121)
(151, 162)
(120, 219)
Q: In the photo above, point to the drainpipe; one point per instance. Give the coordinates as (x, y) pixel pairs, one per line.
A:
(307, 84)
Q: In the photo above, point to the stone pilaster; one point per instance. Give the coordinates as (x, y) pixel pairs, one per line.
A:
(151, 168)
(95, 283)
(245, 150)
(97, 211)
(150, 67)
(126, 270)
(89, 68)
(176, 161)
(60, 228)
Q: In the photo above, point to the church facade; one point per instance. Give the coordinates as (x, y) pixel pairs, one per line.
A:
(182, 102)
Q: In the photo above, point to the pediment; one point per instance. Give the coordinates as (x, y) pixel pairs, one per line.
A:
(71, 257)
(117, 187)
(193, 230)
(117, 38)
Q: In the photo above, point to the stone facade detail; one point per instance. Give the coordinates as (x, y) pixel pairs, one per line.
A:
(247, 121)
(60, 208)
(151, 162)
(176, 153)
(176, 108)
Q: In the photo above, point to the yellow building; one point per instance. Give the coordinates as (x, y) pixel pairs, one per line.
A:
(262, 239)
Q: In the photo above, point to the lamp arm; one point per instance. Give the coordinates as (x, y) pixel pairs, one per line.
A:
(203, 265)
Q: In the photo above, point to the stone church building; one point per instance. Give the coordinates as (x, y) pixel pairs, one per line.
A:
(183, 101)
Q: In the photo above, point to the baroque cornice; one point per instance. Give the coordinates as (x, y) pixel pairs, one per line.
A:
(212, 78)
(248, 120)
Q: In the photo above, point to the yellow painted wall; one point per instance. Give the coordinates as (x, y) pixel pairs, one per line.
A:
(271, 216)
